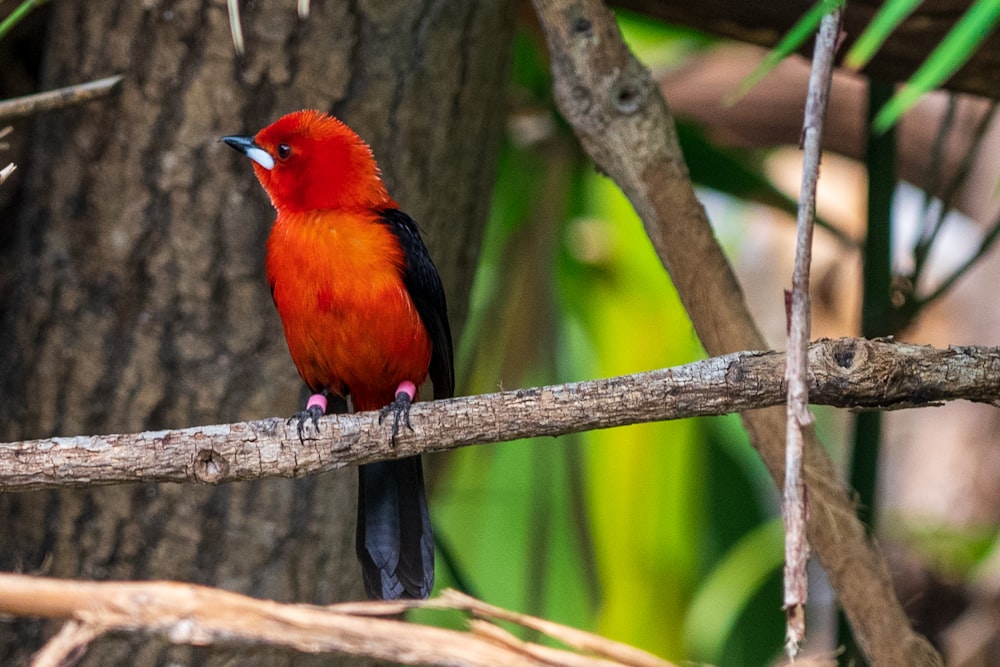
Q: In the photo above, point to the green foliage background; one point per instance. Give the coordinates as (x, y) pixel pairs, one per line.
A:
(666, 536)
(660, 535)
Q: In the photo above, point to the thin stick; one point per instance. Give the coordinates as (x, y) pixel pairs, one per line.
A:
(572, 637)
(9, 169)
(199, 615)
(794, 505)
(934, 216)
(29, 105)
(67, 645)
(985, 244)
(236, 26)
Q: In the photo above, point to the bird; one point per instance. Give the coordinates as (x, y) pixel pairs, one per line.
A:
(364, 316)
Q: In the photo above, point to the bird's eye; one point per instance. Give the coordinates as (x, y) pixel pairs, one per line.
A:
(284, 150)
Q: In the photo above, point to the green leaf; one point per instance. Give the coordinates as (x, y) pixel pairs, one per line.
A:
(727, 590)
(888, 18)
(790, 43)
(19, 13)
(953, 51)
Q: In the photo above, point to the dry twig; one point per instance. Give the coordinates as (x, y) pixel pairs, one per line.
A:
(794, 506)
(5, 172)
(236, 27)
(22, 107)
(189, 614)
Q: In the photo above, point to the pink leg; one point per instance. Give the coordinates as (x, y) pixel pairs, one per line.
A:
(319, 401)
(408, 388)
(406, 392)
(315, 408)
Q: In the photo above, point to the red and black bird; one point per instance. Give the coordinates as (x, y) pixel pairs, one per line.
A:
(364, 316)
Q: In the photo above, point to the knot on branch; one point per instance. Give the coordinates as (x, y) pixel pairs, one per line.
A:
(628, 94)
(843, 353)
(210, 466)
(596, 77)
(582, 26)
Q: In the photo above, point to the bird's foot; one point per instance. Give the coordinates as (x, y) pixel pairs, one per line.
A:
(400, 408)
(315, 408)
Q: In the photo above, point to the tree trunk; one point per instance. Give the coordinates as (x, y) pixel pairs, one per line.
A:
(139, 298)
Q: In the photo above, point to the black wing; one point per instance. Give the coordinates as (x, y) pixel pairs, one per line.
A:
(424, 286)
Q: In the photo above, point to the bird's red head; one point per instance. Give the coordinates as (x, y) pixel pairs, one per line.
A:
(308, 160)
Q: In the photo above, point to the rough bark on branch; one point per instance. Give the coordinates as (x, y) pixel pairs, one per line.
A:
(848, 373)
(794, 506)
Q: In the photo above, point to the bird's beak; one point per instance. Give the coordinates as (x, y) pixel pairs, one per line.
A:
(249, 147)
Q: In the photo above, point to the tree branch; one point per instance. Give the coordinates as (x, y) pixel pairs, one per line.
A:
(623, 123)
(906, 48)
(21, 107)
(794, 507)
(199, 615)
(848, 373)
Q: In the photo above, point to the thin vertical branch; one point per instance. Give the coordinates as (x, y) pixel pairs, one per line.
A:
(9, 169)
(934, 215)
(624, 124)
(236, 26)
(799, 417)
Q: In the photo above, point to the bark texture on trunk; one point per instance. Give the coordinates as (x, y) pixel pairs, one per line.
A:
(138, 297)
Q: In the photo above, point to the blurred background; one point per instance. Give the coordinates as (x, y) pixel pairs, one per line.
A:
(666, 536)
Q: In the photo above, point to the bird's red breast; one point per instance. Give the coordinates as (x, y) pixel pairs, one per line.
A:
(351, 326)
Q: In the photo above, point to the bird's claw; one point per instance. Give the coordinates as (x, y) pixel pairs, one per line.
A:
(313, 412)
(400, 408)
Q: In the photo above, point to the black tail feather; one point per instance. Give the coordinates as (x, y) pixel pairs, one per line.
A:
(395, 543)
